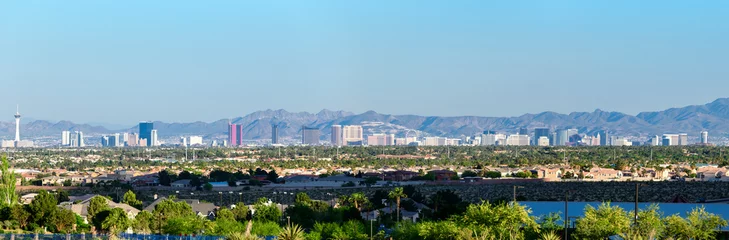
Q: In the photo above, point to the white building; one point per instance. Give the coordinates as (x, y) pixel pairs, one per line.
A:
(195, 140)
(704, 137)
(493, 139)
(381, 139)
(543, 141)
(517, 140)
(65, 138)
(79, 139)
(405, 141)
(352, 135)
(154, 138)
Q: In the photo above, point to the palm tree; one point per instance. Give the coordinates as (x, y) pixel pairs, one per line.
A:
(357, 199)
(396, 194)
(293, 232)
(549, 236)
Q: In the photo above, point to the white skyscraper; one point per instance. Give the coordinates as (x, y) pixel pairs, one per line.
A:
(352, 135)
(195, 140)
(154, 138)
(65, 138)
(17, 124)
(704, 137)
(80, 139)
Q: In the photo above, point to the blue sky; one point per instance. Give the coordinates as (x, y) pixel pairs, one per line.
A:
(125, 61)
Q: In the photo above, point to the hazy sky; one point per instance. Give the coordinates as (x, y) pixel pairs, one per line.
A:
(125, 61)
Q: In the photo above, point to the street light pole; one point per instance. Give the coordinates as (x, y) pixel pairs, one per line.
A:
(566, 215)
(371, 221)
(635, 220)
(515, 187)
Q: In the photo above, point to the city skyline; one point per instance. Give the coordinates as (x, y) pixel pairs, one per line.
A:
(562, 57)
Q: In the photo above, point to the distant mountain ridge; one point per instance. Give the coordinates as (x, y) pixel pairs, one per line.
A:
(712, 117)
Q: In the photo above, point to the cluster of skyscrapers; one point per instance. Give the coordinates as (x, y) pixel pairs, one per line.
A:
(347, 135)
(147, 136)
(75, 140)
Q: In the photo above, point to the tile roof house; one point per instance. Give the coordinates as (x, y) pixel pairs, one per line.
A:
(81, 208)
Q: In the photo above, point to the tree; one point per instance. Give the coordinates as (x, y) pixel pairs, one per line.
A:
(265, 228)
(602, 222)
(438, 230)
(208, 187)
(42, 208)
(63, 220)
(445, 203)
(97, 205)
(469, 173)
(396, 194)
(240, 212)
(492, 174)
(369, 181)
(142, 222)
(187, 225)
(504, 221)
(62, 196)
(293, 232)
(224, 214)
(357, 199)
(702, 224)
(20, 214)
(266, 211)
(131, 199)
(649, 224)
(272, 176)
(165, 179)
(8, 196)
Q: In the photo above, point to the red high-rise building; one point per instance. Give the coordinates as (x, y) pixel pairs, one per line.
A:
(233, 134)
(240, 135)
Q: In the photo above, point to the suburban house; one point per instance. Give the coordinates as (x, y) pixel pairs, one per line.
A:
(604, 174)
(184, 183)
(202, 209)
(400, 175)
(549, 174)
(81, 206)
(441, 175)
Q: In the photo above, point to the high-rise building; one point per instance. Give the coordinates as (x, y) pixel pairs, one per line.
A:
(104, 141)
(309, 135)
(233, 134)
(274, 134)
(493, 139)
(113, 140)
(124, 138)
(604, 138)
(132, 140)
(80, 139)
(352, 135)
(154, 141)
(145, 131)
(65, 138)
(562, 137)
(337, 135)
(240, 132)
(704, 137)
(540, 132)
(183, 141)
(683, 139)
(543, 141)
(674, 139)
(195, 140)
(517, 140)
(17, 125)
(523, 131)
(381, 139)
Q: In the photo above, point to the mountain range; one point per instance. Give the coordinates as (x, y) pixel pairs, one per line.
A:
(712, 117)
